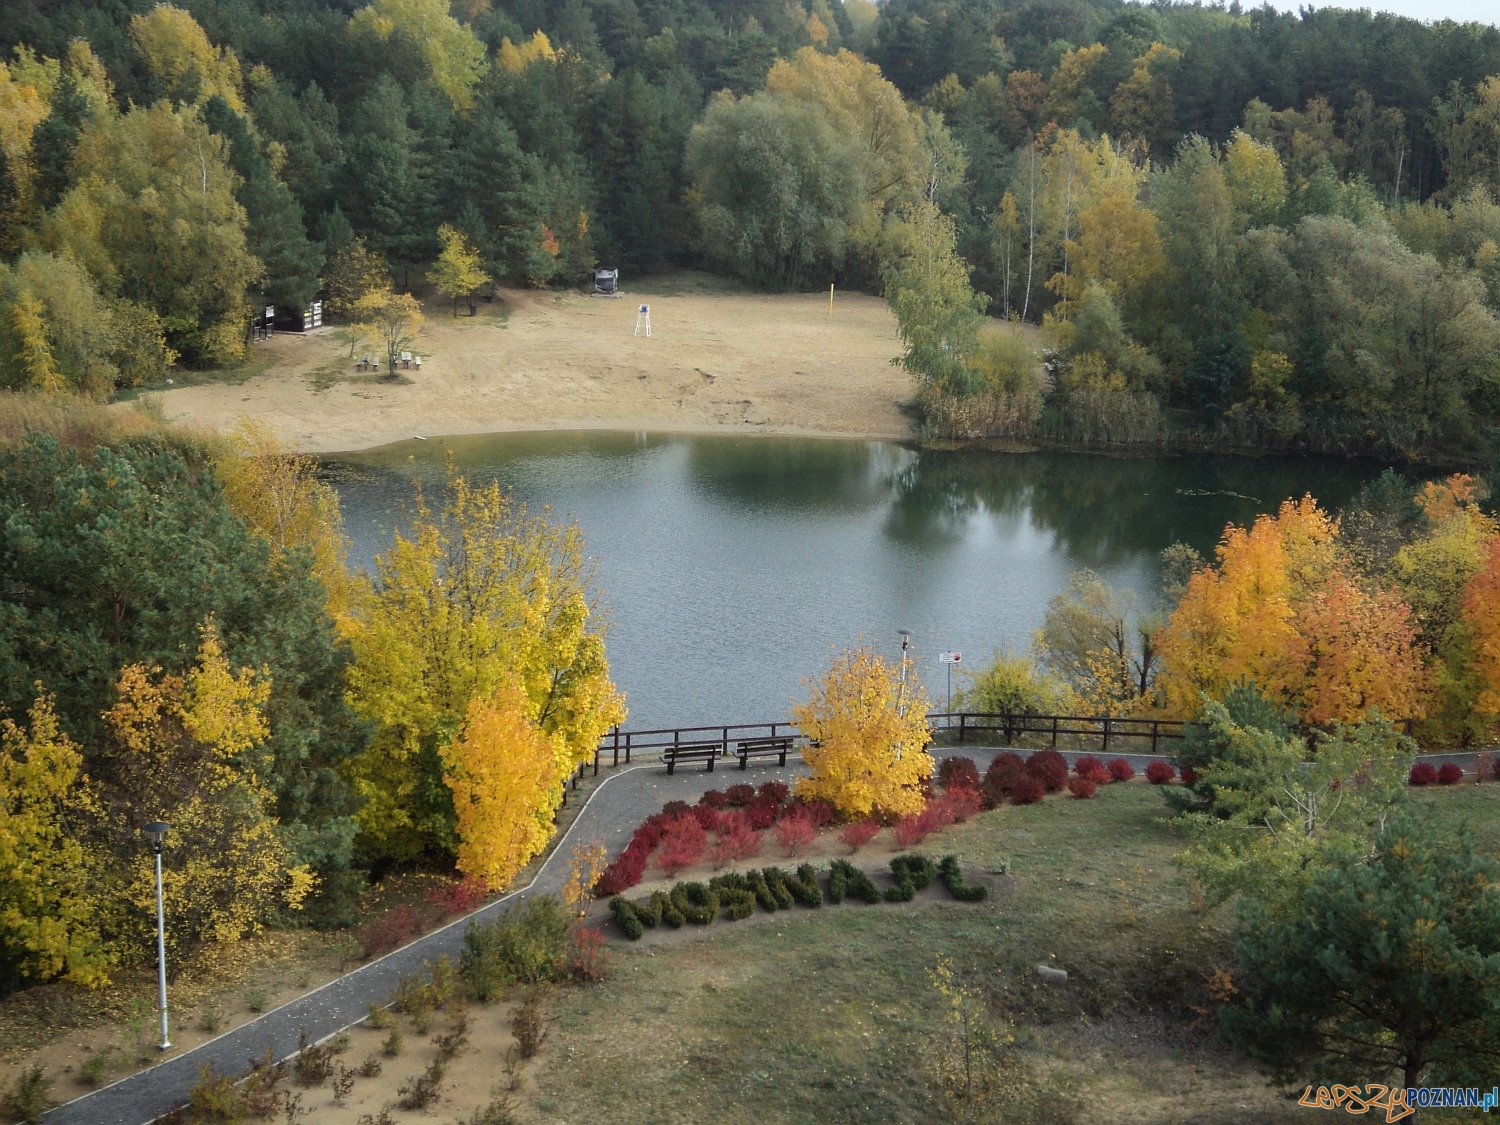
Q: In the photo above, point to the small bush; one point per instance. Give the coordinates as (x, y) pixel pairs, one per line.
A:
(805, 887)
(1189, 775)
(948, 871)
(1160, 773)
(1027, 791)
(708, 818)
(626, 918)
(1450, 773)
(590, 954)
(1049, 767)
(958, 772)
(911, 830)
(392, 1045)
(777, 883)
(625, 872)
(860, 833)
(739, 796)
(1001, 777)
(737, 839)
(313, 1064)
(1423, 773)
(763, 812)
(844, 879)
(1120, 769)
(389, 931)
(821, 813)
(960, 804)
(794, 834)
(29, 1096)
(764, 896)
(714, 799)
(696, 903)
(529, 1025)
(675, 809)
(94, 1068)
(1086, 765)
(682, 846)
(461, 897)
(774, 791)
(528, 944)
(423, 1090)
(371, 1067)
(1082, 787)
(214, 1097)
(912, 873)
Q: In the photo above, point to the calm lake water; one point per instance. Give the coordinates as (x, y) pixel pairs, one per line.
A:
(733, 567)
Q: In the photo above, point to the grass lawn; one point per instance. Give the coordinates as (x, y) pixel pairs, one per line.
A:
(829, 1015)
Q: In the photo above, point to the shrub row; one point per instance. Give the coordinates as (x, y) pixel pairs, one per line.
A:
(1425, 773)
(948, 871)
(912, 872)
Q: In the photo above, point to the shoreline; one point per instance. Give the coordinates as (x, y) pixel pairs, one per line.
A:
(718, 362)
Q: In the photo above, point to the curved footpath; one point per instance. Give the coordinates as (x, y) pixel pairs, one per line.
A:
(629, 796)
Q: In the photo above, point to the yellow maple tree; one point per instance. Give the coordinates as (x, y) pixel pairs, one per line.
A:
(867, 722)
(504, 775)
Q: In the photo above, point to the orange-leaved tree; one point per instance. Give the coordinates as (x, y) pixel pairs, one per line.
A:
(867, 719)
(1282, 609)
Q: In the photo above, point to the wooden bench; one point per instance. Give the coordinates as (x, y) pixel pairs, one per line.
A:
(779, 746)
(692, 752)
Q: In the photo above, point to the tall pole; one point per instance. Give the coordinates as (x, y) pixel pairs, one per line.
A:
(159, 830)
(901, 695)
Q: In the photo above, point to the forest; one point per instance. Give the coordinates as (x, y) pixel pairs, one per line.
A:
(1239, 227)
(1260, 230)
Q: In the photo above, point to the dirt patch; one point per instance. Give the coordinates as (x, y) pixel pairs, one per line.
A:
(716, 360)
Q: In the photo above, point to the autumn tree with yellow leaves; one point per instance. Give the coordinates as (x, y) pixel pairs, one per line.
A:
(867, 722)
(482, 628)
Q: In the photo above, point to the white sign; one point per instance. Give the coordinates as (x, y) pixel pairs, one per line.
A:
(950, 657)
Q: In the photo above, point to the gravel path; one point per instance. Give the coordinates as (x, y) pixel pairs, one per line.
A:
(614, 808)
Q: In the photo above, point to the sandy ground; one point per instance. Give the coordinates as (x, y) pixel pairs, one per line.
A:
(715, 361)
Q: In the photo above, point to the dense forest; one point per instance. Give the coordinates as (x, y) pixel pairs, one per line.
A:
(1253, 228)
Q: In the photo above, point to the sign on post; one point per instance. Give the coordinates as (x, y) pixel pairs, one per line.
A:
(948, 660)
(951, 657)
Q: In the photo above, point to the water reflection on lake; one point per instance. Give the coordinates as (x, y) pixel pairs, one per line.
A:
(733, 566)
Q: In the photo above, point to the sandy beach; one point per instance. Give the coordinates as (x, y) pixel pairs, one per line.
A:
(715, 361)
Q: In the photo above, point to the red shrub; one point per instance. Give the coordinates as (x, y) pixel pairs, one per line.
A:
(962, 804)
(682, 846)
(763, 812)
(821, 813)
(395, 927)
(1189, 775)
(590, 960)
(1049, 767)
(737, 839)
(1082, 787)
(674, 808)
(1085, 765)
(1000, 777)
(1160, 773)
(714, 799)
(958, 773)
(860, 833)
(1423, 773)
(1450, 773)
(794, 833)
(911, 830)
(624, 873)
(1120, 769)
(462, 897)
(650, 831)
(738, 796)
(707, 817)
(774, 791)
(1099, 776)
(1027, 791)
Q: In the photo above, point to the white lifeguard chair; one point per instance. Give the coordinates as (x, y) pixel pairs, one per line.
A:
(643, 321)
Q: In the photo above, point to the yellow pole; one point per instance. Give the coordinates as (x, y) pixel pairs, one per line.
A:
(830, 300)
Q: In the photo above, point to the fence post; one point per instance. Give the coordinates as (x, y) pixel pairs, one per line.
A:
(1009, 736)
(1105, 749)
(1155, 732)
(617, 745)
(1054, 732)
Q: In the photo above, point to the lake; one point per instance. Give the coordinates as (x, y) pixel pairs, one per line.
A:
(733, 567)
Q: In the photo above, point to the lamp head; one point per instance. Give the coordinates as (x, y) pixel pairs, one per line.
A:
(156, 830)
(905, 635)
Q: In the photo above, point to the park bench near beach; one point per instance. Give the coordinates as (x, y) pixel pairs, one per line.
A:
(778, 746)
(692, 752)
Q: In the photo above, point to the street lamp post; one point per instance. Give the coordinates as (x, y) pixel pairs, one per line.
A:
(157, 831)
(905, 635)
